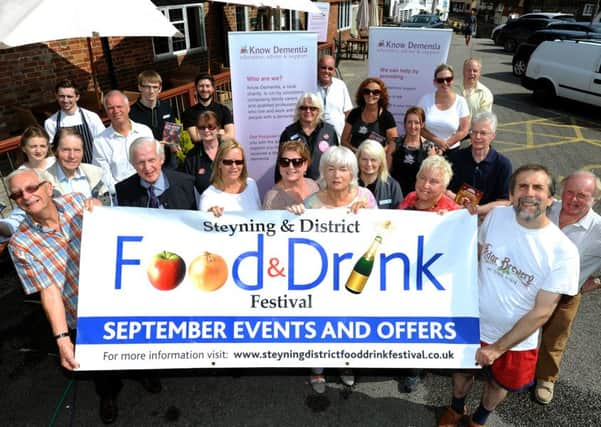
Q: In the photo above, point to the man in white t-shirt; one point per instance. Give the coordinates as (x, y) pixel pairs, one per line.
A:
(526, 263)
(334, 94)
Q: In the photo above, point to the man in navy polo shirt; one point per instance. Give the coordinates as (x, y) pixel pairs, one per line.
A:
(481, 167)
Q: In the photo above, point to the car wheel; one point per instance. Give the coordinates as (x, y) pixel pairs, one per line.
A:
(519, 67)
(544, 92)
(509, 45)
(497, 39)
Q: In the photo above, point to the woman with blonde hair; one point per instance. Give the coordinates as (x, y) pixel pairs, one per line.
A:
(310, 128)
(231, 188)
(433, 178)
(373, 174)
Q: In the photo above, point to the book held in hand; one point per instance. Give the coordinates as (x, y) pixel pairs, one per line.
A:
(467, 193)
(171, 133)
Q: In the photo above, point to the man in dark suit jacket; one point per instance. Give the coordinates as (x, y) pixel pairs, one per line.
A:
(151, 186)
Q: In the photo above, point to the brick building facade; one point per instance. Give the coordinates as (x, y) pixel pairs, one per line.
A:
(28, 74)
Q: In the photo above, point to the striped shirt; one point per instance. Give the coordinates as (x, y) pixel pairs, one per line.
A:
(44, 257)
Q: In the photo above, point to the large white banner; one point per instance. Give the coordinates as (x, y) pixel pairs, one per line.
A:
(181, 289)
(405, 58)
(270, 71)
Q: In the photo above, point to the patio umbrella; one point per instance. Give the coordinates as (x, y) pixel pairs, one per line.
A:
(35, 21)
(363, 17)
(301, 5)
(374, 14)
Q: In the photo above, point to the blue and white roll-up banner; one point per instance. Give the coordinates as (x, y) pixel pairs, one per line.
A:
(164, 289)
(269, 72)
(405, 59)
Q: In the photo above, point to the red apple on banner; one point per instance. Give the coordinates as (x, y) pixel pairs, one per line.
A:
(208, 272)
(166, 271)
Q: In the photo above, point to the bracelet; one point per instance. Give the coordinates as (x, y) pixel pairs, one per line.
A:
(61, 335)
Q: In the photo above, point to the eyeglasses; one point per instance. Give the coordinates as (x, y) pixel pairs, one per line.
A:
(480, 132)
(307, 108)
(30, 189)
(229, 162)
(207, 127)
(325, 67)
(151, 87)
(374, 92)
(285, 162)
(441, 80)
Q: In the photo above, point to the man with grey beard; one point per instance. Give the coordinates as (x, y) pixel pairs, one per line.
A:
(526, 263)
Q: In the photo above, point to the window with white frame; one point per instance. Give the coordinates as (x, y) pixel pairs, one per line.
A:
(588, 9)
(344, 15)
(189, 20)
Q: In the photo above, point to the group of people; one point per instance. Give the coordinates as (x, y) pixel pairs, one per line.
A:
(331, 156)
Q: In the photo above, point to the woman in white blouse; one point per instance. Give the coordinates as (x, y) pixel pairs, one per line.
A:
(231, 188)
(447, 114)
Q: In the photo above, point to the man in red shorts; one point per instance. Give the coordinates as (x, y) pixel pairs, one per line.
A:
(526, 263)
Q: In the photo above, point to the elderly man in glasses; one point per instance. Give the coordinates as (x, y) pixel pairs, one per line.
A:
(480, 173)
(45, 251)
(334, 94)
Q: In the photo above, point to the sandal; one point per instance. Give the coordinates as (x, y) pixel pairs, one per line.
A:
(318, 383)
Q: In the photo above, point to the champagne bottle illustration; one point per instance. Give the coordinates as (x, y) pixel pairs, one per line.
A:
(363, 267)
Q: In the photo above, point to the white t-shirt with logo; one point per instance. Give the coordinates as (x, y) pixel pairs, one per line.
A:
(516, 263)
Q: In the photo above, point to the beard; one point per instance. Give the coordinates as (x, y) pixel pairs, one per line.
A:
(528, 215)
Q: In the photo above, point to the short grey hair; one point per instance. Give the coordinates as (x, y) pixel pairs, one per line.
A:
(37, 172)
(315, 101)
(374, 149)
(112, 93)
(440, 163)
(338, 156)
(486, 116)
(145, 140)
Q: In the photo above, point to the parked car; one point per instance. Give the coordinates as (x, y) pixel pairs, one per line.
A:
(423, 21)
(566, 68)
(554, 31)
(499, 38)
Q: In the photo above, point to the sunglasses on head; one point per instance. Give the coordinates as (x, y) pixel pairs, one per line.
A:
(207, 127)
(285, 162)
(229, 162)
(30, 189)
(307, 108)
(374, 92)
(441, 80)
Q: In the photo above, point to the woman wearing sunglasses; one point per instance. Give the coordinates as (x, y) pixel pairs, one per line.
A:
(310, 128)
(199, 160)
(231, 188)
(371, 119)
(293, 187)
(447, 114)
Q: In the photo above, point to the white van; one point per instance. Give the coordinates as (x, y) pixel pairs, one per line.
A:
(566, 68)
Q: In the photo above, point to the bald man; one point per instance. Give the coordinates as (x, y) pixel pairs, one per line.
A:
(334, 94)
